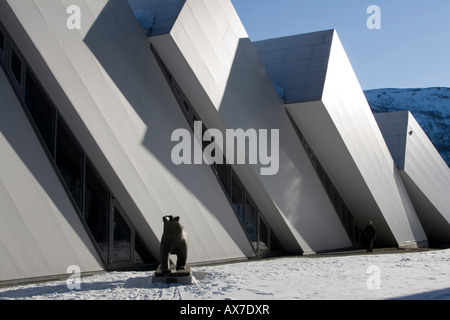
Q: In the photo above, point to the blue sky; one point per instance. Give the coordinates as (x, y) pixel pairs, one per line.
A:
(411, 50)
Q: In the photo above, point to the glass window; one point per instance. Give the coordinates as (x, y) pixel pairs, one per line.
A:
(96, 209)
(246, 210)
(114, 237)
(251, 221)
(223, 173)
(42, 112)
(177, 90)
(2, 40)
(122, 239)
(141, 253)
(275, 245)
(16, 66)
(320, 171)
(263, 244)
(69, 159)
(237, 198)
(328, 186)
(186, 106)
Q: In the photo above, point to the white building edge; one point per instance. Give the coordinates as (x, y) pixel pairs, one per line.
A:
(85, 134)
(423, 171)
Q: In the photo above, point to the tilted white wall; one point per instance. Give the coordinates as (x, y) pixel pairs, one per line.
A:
(343, 133)
(109, 88)
(208, 33)
(301, 70)
(40, 232)
(425, 174)
(210, 55)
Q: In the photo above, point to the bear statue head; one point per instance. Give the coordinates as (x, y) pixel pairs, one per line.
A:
(172, 225)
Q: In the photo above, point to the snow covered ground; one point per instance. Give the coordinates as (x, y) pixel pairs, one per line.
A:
(403, 275)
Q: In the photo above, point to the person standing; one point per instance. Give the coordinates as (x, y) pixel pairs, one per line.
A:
(370, 234)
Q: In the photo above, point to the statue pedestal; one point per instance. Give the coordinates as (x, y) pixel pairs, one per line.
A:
(175, 276)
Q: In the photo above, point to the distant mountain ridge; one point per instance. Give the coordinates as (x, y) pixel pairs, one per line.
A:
(429, 106)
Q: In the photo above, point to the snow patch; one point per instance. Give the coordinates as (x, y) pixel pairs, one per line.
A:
(408, 275)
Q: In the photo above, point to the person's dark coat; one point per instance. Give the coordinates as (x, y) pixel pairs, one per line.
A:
(369, 232)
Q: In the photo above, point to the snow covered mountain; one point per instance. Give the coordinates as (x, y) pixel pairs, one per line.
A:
(430, 107)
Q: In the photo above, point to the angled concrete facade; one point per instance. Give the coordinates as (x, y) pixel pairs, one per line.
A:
(425, 174)
(109, 89)
(338, 124)
(86, 140)
(40, 234)
(209, 54)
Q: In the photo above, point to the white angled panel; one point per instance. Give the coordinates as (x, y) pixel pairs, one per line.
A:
(425, 174)
(237, 93)
(343, 133)
(110, 90)
(40, 232)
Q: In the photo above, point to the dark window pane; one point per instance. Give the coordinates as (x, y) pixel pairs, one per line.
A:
(328, 186)
(275, 245)
(141, 253)
(122, 239)
(96, 213)
(177, 90)
(16, 65)
(263, 236)
(41, 110)
(251, 221)
(2, 41)
(69, 160)
(186, 106)
(237, 198)
(337, 204)
(223, 174)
